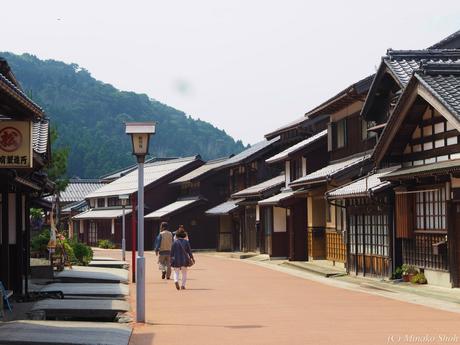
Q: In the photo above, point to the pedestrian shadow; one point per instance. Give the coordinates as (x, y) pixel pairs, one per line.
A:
(205, 325)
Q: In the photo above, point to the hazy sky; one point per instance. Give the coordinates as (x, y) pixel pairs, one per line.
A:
(246, 66)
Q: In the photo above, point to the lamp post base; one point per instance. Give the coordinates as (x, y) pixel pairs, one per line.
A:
(140, 289)
(123, 250)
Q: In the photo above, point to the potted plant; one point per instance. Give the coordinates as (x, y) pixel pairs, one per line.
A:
(419, 278)
(408, 272)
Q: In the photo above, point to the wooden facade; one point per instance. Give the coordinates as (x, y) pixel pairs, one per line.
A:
(369, 236)
(423, 137)
(20, 186)
(210, 189)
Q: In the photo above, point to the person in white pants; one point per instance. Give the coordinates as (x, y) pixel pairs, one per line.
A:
(181, 258)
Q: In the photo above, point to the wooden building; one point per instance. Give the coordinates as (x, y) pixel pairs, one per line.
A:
(422, 135)
(200, 189)
(367, 208)
(249, 199)
(72, 201)
(24, 152)
(238, 222)
(349, 146)
(104, 218)
(298, 160)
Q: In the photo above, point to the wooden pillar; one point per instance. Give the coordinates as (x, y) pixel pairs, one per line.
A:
(27, 243)
(5, 266)
(19, 273)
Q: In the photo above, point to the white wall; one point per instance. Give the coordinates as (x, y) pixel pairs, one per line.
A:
(279, 219)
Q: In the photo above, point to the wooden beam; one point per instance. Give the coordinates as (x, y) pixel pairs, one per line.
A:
(428, 96)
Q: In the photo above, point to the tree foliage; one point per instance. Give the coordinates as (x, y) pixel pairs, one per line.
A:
(57, 169)
(89, 116)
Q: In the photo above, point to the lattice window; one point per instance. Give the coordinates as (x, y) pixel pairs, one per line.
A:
(92, 234)
(369, 233)
(352, 229)
(430, 209)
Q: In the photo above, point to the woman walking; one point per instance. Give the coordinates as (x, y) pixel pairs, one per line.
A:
(181, 258)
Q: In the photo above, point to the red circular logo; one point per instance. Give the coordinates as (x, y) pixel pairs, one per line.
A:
(10, 139)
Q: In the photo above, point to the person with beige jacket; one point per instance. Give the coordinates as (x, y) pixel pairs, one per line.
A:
(163, 244)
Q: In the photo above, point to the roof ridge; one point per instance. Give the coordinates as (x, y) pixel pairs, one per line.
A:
(437, 68)
(400, 54)
(173, 161)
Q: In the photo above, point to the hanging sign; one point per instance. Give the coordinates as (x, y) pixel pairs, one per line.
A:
(16, 144)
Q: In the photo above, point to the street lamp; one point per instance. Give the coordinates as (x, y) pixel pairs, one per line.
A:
(140, 136)
(124, 200)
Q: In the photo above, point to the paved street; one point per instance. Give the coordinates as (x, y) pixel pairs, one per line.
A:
(236, 302)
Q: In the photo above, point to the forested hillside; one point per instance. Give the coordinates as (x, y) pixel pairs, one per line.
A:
(89, 117)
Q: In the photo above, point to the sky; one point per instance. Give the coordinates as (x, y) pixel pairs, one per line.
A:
(247, 67)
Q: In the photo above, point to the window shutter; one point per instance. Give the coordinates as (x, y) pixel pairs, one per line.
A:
(405, 215)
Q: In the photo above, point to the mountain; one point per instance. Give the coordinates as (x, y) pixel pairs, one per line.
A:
(89, 116)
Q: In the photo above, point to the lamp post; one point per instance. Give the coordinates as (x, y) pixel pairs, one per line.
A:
(140, 136)
(124, 200)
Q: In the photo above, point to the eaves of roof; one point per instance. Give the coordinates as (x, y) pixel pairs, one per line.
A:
(439, 168)
(16, 93)
(344, 98)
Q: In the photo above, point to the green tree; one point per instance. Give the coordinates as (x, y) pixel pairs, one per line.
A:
(57, 169)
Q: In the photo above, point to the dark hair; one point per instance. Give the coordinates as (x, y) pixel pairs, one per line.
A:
(180, 233)
(164, 226)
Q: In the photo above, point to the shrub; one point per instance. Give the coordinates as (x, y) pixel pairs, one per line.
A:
(397, 274)
(419, 278)
(67, 249)
(408, 269)
(106, 244)
(39, 242)
(83, 253)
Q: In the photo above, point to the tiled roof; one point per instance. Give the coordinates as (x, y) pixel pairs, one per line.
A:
(288, 126)
(260, 188)
(171, 208)
(78, 205)
(329, 171)
(121, 172)
(365, 186)
(403, 63)
(343, 98)
(102, 213)
(299, 146)
(439, 168)
(40, 136)
(205, 168)
(152, 173)
(224, 208)
(77, 190)
(275, 199)
(250, 152)
(443, 80)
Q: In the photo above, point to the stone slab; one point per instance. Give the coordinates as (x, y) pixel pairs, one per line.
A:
(85, 274)
(88, 289)
(63, 333)
(80, 309)
(109, 263)
(103, 258)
